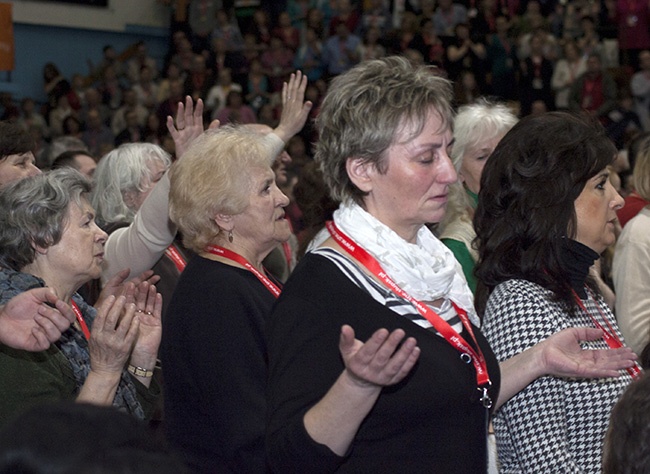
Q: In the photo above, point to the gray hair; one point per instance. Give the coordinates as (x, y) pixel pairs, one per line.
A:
(365, 110)
(474, 124)
(213, 178)
(34, 213)
(124, 169)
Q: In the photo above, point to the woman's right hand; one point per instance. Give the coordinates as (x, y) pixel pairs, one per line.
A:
(111, 341)
(112, 336)
(378, 362)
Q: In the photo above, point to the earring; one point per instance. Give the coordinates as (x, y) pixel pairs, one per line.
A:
(230, 236)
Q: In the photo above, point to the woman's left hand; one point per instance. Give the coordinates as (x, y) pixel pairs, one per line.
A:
(189, 124)
(294, 110)
(148, 303)
(562, 355)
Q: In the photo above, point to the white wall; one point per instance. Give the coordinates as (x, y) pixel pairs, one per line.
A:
(118, 15)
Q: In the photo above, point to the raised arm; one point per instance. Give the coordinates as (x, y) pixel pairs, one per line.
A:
(294, 110)
(140, 245)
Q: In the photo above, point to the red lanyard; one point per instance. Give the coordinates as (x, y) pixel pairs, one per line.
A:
(176, 257)
(468, 354)
(235, 257)
(609, 336)
(80, 319)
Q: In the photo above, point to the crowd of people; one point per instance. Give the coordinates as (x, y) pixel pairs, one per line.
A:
(297, 250)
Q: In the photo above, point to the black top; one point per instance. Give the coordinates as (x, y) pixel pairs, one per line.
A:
(432, 421)
(577, 259)
(215, 367)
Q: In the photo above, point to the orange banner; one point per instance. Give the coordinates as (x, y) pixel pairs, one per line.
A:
(7, 60)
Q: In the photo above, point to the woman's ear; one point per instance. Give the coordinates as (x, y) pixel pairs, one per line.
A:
(129, 198)
(225, 222)
(40, 250)
(360, 172)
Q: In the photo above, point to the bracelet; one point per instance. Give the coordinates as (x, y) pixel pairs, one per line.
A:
(139, 371)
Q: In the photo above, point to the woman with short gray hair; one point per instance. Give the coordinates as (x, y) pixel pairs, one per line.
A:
(124, 178)
(48, 237)
(478, 128)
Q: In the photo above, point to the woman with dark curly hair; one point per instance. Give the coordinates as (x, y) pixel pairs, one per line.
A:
(546, 210)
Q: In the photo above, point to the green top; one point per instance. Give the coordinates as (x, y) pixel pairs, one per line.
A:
(460, 251)
(35, 378)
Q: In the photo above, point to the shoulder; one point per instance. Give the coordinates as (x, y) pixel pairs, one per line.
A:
(636, 230)
(13, 283)
(518, 315)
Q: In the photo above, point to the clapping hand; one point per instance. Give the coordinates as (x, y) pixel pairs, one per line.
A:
(112, 336)
(118, 286)
(148, 303)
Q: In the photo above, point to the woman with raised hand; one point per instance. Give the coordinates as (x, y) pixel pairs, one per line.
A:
(226, 204)
(48, 237)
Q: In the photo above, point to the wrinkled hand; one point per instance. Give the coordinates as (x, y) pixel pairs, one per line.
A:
(376, 362)
(562, 355)
(294, 110)
(112, 336)
(29, 322)
(148, 303)
(117, 286)
(189, 124)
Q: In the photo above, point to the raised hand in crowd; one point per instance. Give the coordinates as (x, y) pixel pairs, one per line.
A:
(294, 110)
(189, 124)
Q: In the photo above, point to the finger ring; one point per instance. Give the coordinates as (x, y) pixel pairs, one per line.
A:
(181, 129)
(139, 311)
(149, 313)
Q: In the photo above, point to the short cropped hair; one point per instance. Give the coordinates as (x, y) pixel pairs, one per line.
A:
(641, 174)
(366, 108)
(213, 178)
(526, 205)
(67, 159)
(14, 140)
(34, 212)
(123, 169)
(626, 449)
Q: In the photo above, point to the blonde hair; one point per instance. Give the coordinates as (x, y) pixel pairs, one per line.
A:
(213, 178)
(641, 174)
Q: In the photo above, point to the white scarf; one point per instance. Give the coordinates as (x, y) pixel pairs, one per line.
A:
(427, 270)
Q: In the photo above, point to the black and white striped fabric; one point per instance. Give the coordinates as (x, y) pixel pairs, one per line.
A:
(384, 296)
(554, 425)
